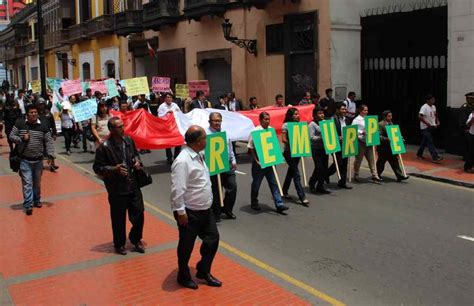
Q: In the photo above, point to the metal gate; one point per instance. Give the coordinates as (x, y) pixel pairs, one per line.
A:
(404, 58)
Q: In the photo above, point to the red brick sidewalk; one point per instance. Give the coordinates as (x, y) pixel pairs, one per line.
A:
(63, 254)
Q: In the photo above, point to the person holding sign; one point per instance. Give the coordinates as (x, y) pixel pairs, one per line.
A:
(191, 201)
(200, 101)
(258, 173)
(319, 155)
(293, 173)
(227, 178)
(164, 109)
(363, 149)
(342, 162)
(384, 150)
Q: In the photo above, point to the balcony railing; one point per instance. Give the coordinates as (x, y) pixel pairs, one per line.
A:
(101, 25)
(31, 48)
(56, 39)
(20, 51)
(77, 33)
(129, 22)
(195, 9)
(159, 13)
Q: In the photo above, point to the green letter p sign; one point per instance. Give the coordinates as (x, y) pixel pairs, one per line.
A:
(396, 139)
(372, 134)
(298, 135)
(330, 137)
(217, 155)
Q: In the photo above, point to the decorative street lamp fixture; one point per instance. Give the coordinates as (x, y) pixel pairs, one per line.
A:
(60, 58)
(248, 44)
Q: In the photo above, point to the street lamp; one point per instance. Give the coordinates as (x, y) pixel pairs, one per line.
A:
(59, 56)
(248, 44)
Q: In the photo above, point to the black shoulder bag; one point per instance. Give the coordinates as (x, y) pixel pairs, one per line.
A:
(15, 156)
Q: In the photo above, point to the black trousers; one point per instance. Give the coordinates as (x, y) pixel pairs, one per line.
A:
(169, 154)
(469, 158)
(68, 134)
(320, 159)
(201, 223)
(119, 204)
(230, 186)
(384, 155)
(342, 163)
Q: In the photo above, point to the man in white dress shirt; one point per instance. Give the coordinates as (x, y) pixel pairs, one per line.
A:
(351, 107)
(191, 200)
(165, 108)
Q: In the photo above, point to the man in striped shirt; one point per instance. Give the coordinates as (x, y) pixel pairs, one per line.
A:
(32, 138)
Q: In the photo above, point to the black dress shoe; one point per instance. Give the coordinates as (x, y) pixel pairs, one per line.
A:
(210, 280)
(256, 207)
(312, 189)
(322, 191)
(189, 283)
(139, 248)
(120, 251)
(29, 211)
(402, 178)
(230, 215)
(38, 205)
(344, 186)
(282, 208)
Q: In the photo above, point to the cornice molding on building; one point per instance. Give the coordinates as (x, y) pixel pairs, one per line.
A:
(346, 27)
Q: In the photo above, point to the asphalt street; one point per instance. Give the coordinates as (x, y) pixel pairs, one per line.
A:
(378, 244)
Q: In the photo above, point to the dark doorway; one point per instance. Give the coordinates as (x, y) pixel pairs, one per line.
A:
(300, 32)
(218, 73)
(172, 64)
(404, 58)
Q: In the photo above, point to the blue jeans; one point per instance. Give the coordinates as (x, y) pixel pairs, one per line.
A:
(257, 177)
(427, 140)
(30, 173)
(293, 173)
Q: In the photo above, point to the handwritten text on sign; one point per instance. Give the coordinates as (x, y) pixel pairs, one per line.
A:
(72, 87)
(84, 110)
(161, 84)
(195, 86)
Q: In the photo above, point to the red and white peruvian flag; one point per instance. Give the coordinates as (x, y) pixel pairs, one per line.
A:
(151, 51)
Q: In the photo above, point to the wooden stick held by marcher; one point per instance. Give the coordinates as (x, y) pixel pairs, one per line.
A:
(305, 181)
(400, 159)
(337, 165)
(219, 185)
(350, 169)
(278, 180)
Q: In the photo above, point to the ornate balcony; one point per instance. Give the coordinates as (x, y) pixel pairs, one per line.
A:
(56, 39)
(259, 4)
(21, 30)
(195, 9)
(159, 13)
(129, 22)
(101, 25)
(77, 33)
(31, 48)
(20, 51)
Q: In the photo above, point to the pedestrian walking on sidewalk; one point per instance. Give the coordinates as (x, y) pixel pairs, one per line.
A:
(191, 201)
(116, 161)
(429, 122)
(384, 150)
(34, 141)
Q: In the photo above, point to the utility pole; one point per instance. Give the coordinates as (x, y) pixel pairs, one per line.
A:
(39, 13)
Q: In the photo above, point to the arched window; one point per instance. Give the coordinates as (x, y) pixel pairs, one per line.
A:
(110, 69)
(86, 71)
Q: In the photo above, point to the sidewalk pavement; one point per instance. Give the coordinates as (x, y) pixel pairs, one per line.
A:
(449, 170)
(63, 254)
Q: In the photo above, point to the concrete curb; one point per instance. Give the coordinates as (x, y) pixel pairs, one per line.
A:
(443, 180)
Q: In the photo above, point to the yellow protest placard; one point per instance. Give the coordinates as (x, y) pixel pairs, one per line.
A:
(181, 91)
(137, 86)
(36, 86)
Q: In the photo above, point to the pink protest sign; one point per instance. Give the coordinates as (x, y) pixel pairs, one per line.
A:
(194, 86)
(98, 86)
(71, 87)
(161, 84)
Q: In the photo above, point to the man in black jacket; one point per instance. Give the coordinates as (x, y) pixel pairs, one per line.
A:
(200, 101)
(116, 161)
(47, 119)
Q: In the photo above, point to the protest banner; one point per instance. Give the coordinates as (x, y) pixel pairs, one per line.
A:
(137, 86)
(330, 140)
(71, 87)
(217, 158)
(194, 86)
(85, 86)
(161, 84)
(111, 88)
(54, 84)
(36, 86)
(396, 143)
(84, 110)
(98, 86)
(372, 133)
(268, 150)
(181, 91)
(350, 145)
(300, 146)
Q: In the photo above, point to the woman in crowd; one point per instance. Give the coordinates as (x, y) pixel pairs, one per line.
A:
(292, 115)
(100, 129)
(320, 158)
(363, 149)
(67, 127)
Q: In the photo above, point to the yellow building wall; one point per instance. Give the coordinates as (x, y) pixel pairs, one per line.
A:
(50, 59)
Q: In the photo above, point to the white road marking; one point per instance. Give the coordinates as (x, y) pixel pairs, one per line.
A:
(466, 237)
(239, 172)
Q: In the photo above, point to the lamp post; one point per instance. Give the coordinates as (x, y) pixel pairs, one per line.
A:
(39, 13)
(248, 44)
